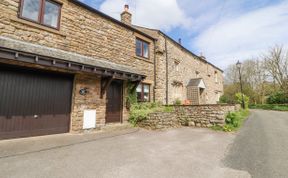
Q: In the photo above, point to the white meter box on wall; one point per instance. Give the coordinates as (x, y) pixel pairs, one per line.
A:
(89, 120)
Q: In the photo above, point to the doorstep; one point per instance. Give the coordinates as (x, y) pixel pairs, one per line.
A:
(30, 145)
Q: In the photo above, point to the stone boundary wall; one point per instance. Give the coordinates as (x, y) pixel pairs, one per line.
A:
(190, 115)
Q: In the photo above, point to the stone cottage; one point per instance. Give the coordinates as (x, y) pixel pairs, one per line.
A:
(182, 75)
(66, 67)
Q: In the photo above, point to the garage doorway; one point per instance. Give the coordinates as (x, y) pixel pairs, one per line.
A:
(33, 102)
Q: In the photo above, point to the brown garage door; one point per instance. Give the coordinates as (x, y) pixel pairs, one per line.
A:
(33, 103)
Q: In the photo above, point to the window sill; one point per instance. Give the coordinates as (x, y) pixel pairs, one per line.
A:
(143, 59)
(35, 25)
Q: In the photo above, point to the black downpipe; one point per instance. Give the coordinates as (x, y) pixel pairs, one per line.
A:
(155, 82)
(166, 51)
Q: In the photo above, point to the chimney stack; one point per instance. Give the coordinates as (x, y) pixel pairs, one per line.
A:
(126, 16)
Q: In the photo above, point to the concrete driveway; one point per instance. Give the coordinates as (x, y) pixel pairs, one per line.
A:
(184, 152)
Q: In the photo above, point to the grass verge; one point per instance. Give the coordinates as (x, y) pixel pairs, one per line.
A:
(233, 121)
(275, 107)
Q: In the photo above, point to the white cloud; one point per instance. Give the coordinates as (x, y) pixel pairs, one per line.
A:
(224, 31)
(161, 14)
(245, 36)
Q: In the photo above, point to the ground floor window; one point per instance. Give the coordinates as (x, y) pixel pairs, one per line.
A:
(143, 92)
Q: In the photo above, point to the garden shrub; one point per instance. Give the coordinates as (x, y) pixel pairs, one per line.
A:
(233, 121)
(177, 102)
(276, 107)
(238, 97)
(140, 111)
(279, 97)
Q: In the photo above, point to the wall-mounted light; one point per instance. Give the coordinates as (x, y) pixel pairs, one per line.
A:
(83, 91)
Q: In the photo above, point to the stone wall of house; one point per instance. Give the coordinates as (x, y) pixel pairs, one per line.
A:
(86, 33)
(182, 66)
(194, 116)
(90, 101)
(81, 31)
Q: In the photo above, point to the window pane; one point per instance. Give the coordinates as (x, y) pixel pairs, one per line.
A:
(139, 88)
(146, 50)
(31, 9)
(146, 97)
(51, 14)
(138, 48)
(146, 92)
(146, 88)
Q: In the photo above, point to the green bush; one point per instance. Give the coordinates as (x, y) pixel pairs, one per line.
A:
(233, 121)
(238, 97)
(177, 102)
(278, 97)
(276, 107)
(140, 111)
(224, 99)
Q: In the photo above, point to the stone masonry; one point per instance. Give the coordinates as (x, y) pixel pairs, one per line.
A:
(194, 116)
(182, 67)
(85, 33)
(88, 33)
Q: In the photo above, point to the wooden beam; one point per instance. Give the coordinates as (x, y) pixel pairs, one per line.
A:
(135, 85)
(105, 86)
(64, 64)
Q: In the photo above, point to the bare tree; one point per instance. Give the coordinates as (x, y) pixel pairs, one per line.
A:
(254, 78)
(276, 63)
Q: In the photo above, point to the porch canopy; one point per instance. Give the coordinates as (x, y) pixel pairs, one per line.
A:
(197, 82)
(17, 50)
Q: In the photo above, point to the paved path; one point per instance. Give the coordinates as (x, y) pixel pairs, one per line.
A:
(176, 153)
(261, 147)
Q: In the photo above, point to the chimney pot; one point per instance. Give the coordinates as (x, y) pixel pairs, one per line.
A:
(180, 41)
(126, 7)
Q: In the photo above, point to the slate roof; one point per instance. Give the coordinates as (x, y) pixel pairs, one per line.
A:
(61, 54)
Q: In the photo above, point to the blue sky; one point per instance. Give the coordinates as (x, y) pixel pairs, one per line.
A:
(223, 30)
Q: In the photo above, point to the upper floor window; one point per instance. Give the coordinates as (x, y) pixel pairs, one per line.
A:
(216, 76)
(143, 92)
(45, 12)
(142, 48)
(176, 65)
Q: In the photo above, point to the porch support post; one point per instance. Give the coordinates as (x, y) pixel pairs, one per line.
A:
(135, 86)
(105, 86)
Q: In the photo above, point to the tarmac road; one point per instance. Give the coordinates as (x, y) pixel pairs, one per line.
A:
(261, 146)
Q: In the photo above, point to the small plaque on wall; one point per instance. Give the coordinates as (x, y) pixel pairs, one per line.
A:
(89, 120)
